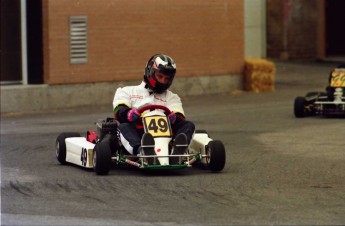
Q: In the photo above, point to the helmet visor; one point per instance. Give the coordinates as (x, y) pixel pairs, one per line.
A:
(162, 78)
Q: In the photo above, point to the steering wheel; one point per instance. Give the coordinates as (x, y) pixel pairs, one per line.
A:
(154, 107)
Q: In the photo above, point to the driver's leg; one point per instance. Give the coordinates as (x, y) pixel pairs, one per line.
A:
(186, 127)
(130, 137)
(183, 133)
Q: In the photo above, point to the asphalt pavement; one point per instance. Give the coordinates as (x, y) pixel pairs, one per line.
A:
(279, 170)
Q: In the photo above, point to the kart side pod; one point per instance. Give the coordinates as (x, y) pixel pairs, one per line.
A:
(199, 144)
(79, 151)
(212, 152)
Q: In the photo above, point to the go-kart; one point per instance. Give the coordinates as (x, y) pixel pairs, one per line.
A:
(102, 149)
(331, 102)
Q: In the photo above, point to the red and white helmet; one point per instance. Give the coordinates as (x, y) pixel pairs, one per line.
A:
(163, 64)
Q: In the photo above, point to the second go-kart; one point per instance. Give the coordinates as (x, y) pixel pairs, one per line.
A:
(331, 102)
(101, 150)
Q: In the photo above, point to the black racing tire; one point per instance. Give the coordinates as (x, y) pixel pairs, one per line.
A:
(60, 145)
(102, 156)
(299, 107)
(216, 156)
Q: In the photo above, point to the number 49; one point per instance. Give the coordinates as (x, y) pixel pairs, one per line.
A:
(159, 124)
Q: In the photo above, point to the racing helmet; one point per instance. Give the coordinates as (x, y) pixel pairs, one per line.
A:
(163, 64)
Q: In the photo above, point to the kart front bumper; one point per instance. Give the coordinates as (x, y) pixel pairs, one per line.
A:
(186, 161)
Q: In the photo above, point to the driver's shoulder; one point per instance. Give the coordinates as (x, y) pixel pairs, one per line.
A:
(132, 89)
(169, 93)
(171, 96)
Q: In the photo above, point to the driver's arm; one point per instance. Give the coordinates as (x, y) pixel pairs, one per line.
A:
(121, 112)
(175, 105)
(179, 118)
(121, 104)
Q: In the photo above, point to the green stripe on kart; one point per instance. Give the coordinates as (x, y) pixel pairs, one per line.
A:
(159, 167)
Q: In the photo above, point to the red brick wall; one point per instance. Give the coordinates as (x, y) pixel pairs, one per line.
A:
(301, 19)
(204, 38)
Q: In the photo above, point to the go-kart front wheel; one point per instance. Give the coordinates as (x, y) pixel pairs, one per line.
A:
(102, 156)
(216, 155)
(61, 146)
(299, 107)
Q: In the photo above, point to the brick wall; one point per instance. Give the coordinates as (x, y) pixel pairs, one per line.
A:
(293, 28)
(204, 38)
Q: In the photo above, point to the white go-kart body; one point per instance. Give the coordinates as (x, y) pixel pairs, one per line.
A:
(104, 151)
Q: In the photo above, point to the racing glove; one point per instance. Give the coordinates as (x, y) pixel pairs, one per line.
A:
(172, 118)
(133, 115)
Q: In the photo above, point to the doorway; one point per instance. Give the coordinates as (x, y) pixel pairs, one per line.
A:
(10, 66)
(35, 41)
(11, 40)
(335, 30)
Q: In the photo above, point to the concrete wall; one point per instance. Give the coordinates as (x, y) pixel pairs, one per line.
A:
(34, 98)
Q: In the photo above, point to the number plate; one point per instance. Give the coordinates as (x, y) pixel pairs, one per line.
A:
(157, 125)
(338, 79)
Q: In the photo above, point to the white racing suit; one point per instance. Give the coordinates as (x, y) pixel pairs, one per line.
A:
(139, 96)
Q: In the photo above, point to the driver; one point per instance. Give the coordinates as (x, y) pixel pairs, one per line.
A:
(159, 74)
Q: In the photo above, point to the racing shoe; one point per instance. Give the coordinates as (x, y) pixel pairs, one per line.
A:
(180, 148)
(148, 147)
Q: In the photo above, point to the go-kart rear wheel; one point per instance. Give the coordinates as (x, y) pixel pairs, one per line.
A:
(102, 156)
(216, 155)
(299, 107)
(61, 146)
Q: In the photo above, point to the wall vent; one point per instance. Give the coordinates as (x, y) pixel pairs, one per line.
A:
(78, 39)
